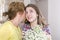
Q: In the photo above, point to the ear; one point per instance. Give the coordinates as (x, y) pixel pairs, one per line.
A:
(18, 14)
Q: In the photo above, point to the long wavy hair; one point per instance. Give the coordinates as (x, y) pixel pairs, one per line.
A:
(41, 19)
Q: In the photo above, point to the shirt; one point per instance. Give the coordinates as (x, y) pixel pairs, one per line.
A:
(8, 31)
(25, 27)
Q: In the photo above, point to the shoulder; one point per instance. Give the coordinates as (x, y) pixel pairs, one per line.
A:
(7, 26)
(7, 23)
(5, 31)
(46, 29)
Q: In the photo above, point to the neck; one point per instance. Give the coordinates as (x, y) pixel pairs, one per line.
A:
(34, 23)
(15, 21)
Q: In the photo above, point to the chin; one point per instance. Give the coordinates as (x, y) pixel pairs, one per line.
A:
(31, 20)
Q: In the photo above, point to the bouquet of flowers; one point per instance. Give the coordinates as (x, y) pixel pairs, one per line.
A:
(35, 33)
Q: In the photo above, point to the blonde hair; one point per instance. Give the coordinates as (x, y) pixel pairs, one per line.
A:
(42, 20)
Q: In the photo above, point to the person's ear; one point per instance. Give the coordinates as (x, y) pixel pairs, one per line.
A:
(18, 14)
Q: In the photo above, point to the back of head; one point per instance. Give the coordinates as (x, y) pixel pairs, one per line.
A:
(13, 8)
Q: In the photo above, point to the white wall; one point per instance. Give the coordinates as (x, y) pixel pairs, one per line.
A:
(26, 2)
(2, 2)
(43, 6)
(54, 18)
(33, 2)
(7, 2)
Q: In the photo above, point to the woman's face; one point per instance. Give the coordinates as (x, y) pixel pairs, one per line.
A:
(31, 14)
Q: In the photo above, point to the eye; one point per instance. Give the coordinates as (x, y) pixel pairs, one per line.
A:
(31, 11)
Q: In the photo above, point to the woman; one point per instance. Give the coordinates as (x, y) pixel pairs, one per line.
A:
(34, 30)
(10, 30)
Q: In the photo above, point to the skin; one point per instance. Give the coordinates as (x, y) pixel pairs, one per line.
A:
(31, 16)
(18, 18)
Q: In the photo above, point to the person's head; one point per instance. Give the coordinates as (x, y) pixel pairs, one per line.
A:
(16, 10)
(32, 12)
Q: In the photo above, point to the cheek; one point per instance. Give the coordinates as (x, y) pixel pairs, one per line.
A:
(33, 15)
(23, 16)
(26, 17)
(33, 18)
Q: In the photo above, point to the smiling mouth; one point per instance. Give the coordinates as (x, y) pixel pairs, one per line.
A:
(29, 17)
